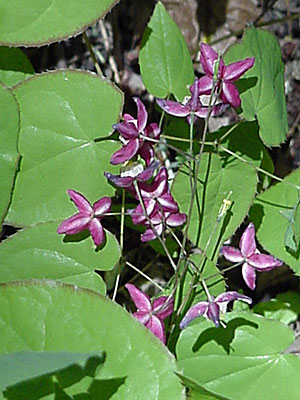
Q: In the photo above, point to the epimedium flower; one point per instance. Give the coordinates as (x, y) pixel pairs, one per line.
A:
(226, 75)
(211, 308)
(89, 217)
(250, 256)
(133, 134)
(192, 106)
(151, 314)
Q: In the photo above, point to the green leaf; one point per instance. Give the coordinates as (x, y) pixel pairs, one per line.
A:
(278, 310)
(9, 130)
(34, 23)
(18, 367)
(165, 62)
(215, 182)
(67, 318)
(242, 361)
(64, 117)
(262, 86)
(38, 252)
(270, 223)
(14, 66)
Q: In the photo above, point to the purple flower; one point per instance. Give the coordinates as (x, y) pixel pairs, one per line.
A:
(88, 217)
(151, 315)
(132, 172)
(250, 256)
(226, 75)
(161, 221)
(211, 308)
(131, 130)
(192, 107)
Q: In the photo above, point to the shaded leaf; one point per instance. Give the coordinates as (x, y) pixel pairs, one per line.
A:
(14, 66)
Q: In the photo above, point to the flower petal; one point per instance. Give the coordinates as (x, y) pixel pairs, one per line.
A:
(127, 130)
(148, 172)
(168, 203)
(208, 58)
(231, 296)
(173, 108)
(126, 153)
(146, 151)
(122, 181)
(263, 262)
(230, 95)
(149, 234)
(205, 84)
(140, 299)
(156, 326)
(176, 219)
(249, 275)
(165, 305)
(142, 114)
(232, 254)
(142, 316)
(97, 231)
(213, 313)
(152, 130)
(102, 206)
(194, 312)
(202, 111)
(235, 70)
(80, 201)
(75, 224)
(247, 242)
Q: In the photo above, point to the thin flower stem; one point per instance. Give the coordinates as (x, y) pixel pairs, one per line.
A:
(92, 53)
(121, 243)
(223, 271)
(206, 289)
(230, 130)
(144, 275)
(136, 186)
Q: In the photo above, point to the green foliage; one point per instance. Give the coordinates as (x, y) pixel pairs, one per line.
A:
(9, 130)
(165, 62)
(38, 252)
(14, 66)
(48, 316)
(215, 182)
(34, 23)
(65, 116)
(20, 370)
(262, 87)
(240, 361)
(272, 226)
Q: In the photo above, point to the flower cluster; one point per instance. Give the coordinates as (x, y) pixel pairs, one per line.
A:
(218, 79)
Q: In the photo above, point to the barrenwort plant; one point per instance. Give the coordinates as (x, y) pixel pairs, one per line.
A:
(81, 177)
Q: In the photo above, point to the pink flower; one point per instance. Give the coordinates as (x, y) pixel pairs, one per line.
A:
(211, 309)
(250, 256)
(151, 315)
(192, 107)
(226, 75)
(88, 217)
(131, 130)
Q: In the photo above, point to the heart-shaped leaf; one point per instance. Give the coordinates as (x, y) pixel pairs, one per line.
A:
(34, 23)
(49, 316)
(64, 117)
(14, 66)
(165, 62)
(262, 86)
(240, 361)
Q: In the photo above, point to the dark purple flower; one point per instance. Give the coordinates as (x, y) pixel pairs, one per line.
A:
(88, 217)
(133, 134)
(211, 308)
(250, 256)
(192, 107)
(132, 172)
(151, 315)
(226, 75)
(160, 221)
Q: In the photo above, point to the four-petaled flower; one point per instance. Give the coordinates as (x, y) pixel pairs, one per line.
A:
(133, 134)
(250, 256)
(151, 315)
(192, 107)
(88, 217)
(211, 308)
(226, 75)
